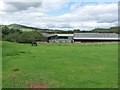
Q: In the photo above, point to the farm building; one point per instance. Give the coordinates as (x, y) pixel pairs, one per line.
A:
(64, 37)
(95, 37)
(58, 38)
(49, 37)
(82, 37)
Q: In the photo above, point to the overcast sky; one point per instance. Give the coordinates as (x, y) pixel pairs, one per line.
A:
(60, 14)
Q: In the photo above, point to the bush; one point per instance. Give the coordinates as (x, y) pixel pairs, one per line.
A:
(16, 35)
(12, 37)
(27, 37)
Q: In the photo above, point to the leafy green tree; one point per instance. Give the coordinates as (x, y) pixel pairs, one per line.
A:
(27, 37)
(12, 37)
(13, 30)
(5, 31)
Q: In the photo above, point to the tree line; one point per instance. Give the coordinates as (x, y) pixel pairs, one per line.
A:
(96, 30)
(16, 35)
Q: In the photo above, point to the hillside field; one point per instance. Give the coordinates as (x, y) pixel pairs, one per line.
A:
(60, 65)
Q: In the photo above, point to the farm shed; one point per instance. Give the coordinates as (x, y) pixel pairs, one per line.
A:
(49, 36)
(96, 37)
(64, 38)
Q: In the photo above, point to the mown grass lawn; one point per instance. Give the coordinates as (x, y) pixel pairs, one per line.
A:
(60, 65)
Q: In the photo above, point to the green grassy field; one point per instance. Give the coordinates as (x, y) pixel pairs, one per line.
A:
(60, 65)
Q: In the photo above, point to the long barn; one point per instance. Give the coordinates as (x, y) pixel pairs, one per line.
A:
(83, 37)
(96, 37)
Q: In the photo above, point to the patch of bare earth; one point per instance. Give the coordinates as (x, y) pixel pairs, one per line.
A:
(38, 86)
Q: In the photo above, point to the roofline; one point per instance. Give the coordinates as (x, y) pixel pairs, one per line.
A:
(97, 38)
(95, 33)
(64, 34)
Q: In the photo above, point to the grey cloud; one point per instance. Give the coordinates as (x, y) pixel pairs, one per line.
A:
(107, 21)
(19, 6)
(59, 26)
(65, 26)
(50, 26)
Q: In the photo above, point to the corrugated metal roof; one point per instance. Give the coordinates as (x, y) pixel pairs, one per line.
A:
(48, 35)
(95, 36)
(64, 34)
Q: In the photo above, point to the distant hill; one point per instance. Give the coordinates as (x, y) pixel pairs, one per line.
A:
(18, 26)
(96, 30)
(22, 27)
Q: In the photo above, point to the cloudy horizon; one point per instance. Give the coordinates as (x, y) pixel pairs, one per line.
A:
(60, 14)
